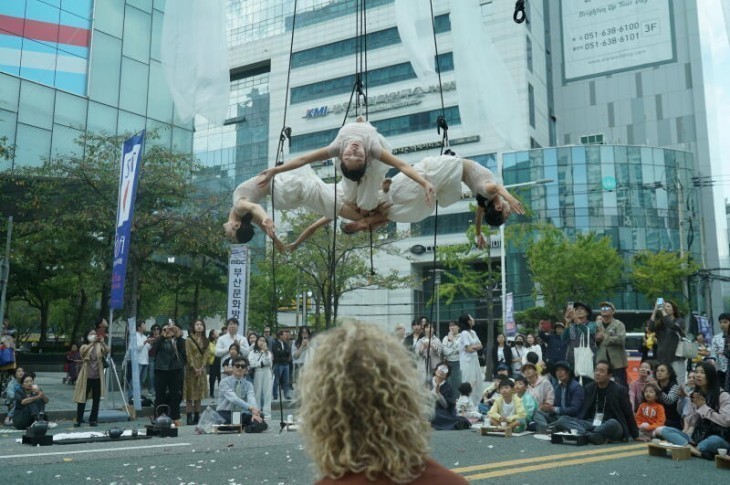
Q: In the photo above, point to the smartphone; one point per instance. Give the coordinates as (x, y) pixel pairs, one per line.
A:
(659, 301)
(570, 305)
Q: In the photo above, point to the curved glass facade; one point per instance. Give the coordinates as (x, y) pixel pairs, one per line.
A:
(631, 194)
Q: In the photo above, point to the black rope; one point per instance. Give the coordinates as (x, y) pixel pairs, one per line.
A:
(519, 16)
(284, 135)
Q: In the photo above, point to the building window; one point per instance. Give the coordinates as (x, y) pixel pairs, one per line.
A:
(529, 53)
(596, 139)
(346, 47)
(531, 100)
(376, 77)
(388, 127)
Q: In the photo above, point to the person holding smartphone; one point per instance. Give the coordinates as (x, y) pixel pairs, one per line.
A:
(670, 327)
(90, 381)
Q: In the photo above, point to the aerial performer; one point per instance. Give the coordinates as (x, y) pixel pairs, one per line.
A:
(294, 189)
(364, 160)
(399, 201)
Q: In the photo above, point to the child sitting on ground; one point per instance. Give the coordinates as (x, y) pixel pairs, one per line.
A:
(464, 406)
(528, 402)
(507, 411)
(650, 414)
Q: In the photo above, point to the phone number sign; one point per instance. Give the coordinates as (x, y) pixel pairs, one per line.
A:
(603, 36)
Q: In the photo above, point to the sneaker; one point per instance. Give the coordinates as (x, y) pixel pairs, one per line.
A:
(596, 438)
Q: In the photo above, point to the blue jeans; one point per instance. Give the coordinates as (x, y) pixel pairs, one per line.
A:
(142, 372)
(281, 375)
(151, 374)
(708, 445)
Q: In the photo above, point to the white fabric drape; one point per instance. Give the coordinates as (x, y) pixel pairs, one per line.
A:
(195, 58)
(485, 87)
(416, 33)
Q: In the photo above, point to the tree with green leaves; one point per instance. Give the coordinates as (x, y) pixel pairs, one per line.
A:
(65, 246)
(662, 273)
(465, 276)
(587, 268)
(333, 267)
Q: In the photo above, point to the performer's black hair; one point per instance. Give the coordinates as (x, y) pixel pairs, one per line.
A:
(246, 231)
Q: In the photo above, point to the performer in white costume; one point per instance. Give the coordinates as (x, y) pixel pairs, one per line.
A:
(364, 159)
(446, 173)
(292, 190)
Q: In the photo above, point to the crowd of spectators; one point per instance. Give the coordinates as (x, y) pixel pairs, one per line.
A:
(540, 382)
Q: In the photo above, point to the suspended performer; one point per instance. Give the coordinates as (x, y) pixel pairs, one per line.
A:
(399, 202)
(295, 189)
(364, 160)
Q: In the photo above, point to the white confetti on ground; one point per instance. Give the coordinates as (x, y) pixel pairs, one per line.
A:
(456, 464)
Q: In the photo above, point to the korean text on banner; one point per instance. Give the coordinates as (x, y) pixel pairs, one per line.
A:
(238, 269)
(510, 327)
(128, 178)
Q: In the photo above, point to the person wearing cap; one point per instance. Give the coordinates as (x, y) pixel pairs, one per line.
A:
(611, 339)
(539, 386)
(568, 398)
(578, 324)
(555, 347)
(490, 393)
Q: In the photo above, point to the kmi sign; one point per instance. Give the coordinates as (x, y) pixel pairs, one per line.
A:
(383, 102)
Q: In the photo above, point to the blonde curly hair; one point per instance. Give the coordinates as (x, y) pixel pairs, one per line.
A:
(362, 408)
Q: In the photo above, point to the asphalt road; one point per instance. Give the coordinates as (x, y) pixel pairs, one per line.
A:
(273, 458)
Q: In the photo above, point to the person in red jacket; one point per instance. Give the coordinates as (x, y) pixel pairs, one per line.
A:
(650, 414)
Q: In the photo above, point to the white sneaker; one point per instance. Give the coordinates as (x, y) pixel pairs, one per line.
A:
(52, 424)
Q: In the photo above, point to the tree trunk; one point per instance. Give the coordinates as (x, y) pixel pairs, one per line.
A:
(104, 297)
(196, 298)
(44, 308)
(79, 315)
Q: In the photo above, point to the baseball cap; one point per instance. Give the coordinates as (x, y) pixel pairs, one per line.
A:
(607, 303)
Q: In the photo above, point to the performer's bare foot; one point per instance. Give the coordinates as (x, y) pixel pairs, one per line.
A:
(354, 227)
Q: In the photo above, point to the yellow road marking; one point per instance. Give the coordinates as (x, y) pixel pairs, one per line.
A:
(546, 466)
(502, 464)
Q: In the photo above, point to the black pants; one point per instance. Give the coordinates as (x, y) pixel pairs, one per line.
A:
(95, 386)
(168, 391)
(27, 415)
(228, 415)
(214, 374)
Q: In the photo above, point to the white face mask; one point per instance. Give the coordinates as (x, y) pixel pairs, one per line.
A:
(91, 338)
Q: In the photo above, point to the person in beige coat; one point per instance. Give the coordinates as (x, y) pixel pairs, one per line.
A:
(91, 377)
(611, 340)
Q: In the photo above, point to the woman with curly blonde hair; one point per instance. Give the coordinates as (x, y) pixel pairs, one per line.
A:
(365, 411)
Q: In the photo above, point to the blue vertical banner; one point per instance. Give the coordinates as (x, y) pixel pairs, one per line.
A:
(128, 178)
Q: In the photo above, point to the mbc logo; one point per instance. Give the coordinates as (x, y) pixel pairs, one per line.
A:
(316, 112)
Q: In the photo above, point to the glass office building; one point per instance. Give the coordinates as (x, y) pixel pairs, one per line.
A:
(70, 66)
(609, 104)
(629, 193)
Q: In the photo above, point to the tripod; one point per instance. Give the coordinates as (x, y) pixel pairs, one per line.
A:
(113, 371)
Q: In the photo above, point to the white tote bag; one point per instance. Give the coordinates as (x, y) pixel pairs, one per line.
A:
(583, 356)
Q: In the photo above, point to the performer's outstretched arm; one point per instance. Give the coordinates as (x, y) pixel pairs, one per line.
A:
(294, 163)
(395, 162)
(259, 217)
(481, 242)
(497, 189)
(307, 233)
